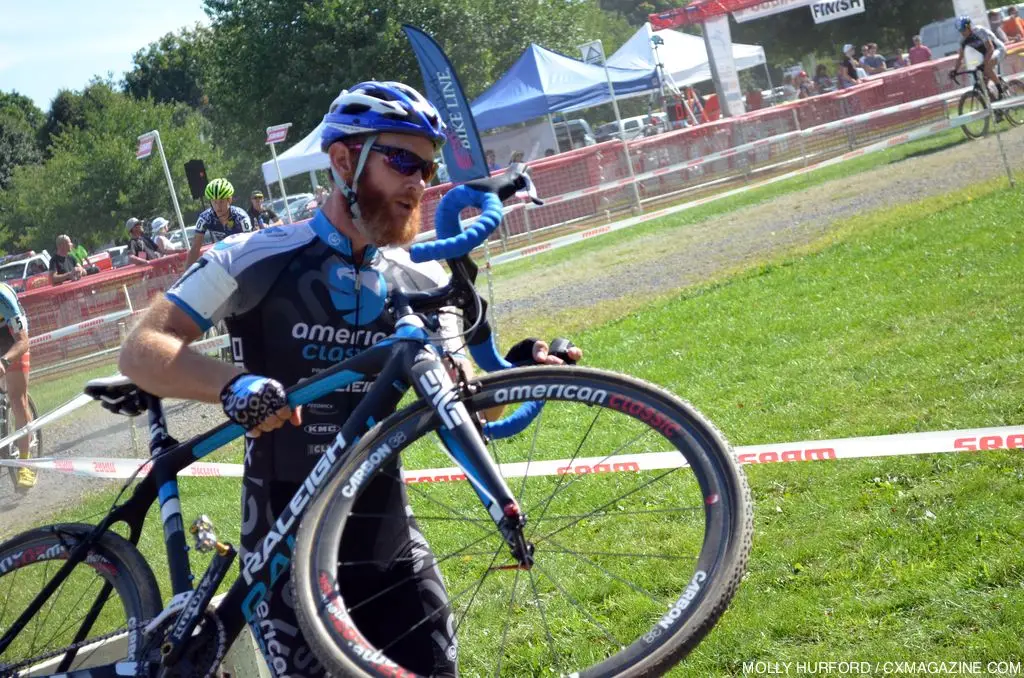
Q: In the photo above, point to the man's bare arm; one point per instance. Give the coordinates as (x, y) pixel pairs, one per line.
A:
(196, 249)
(157, 358)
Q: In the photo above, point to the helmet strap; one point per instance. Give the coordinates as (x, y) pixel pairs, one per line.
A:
(349, 191)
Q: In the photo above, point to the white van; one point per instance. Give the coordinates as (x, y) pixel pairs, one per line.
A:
(941, 37)
(634, 128)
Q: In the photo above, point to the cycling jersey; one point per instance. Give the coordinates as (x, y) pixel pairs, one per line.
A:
(977, 39)
(238, 222)
(296, 301)
(12, 316)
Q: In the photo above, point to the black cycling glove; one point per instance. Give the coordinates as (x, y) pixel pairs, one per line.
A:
(522, 353)
(250, 400)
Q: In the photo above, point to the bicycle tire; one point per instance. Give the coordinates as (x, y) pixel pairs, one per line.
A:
(1014, 116)
(112, 560)
(330, 629)
(7, 426)
(971, 102)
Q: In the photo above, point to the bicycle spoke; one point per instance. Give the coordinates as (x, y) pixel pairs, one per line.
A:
(426, 495)
(533, 448)
(617, 514)
(487, 573)
(612, 575)
(575, 603)
(615, 555)
(575, 454)
(80, 598)
(508, 623)
(46, 571)
(419, 518)
(435, 563)
(544, 620)
(601, 508)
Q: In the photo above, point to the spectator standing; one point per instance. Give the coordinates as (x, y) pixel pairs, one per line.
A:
(822, 80)
(872, 61)
(848, 76)
(755, 100)
(803, 85)
(141, 248)
(158, 232)
(995, 22)
(492, 161)
(919, 53)
(259, 215)
(63, 266)
(1013, 27)
(548, 152)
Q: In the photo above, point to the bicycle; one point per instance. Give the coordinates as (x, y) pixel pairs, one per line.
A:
(12, 452)
(596, 595)
(979, 99)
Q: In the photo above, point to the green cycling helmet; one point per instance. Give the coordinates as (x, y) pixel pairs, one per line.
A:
(219, 189)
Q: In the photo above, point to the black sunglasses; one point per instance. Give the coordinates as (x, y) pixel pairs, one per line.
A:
(404, 161)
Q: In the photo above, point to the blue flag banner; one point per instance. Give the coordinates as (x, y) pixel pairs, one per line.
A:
(463, 153)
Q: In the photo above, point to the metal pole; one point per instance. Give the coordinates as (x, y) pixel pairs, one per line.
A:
(127, 298)
(170, 186)
(280, 182)
(312, 180)
(622, 131)
(803, 143)
(771, 88)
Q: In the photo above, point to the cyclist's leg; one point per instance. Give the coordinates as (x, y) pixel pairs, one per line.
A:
(393, 557)
(17, 392)
(278, 631)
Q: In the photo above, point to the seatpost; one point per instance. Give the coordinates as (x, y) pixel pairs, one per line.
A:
(159, 438)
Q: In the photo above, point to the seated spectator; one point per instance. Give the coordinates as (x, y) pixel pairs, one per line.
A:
(995, 22)
(492, 160)
(141, 248)
(158, 231)
(64, 265)
(517, 157)
(872, 61)
(1014, 25)
(261, 216)
(822, 81)
(848, 69)
(919, 53)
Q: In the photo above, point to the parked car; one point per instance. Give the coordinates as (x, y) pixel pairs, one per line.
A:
(574, 133)
(118, 256)
(296, 203)
(634, 128)
(23, 271)
(175, 237)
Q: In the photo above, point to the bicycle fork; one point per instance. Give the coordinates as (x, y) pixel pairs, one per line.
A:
(465, 445)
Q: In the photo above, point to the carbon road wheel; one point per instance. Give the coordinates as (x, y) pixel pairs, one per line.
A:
(640, 517)
(972, 102)
(113, 569)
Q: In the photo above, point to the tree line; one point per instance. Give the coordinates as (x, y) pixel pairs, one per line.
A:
(212, 90)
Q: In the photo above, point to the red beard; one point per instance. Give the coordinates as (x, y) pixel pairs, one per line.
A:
(383, 220)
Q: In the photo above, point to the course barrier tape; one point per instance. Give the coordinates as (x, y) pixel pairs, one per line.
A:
(901, 444)
(83, 326)
(899, 139)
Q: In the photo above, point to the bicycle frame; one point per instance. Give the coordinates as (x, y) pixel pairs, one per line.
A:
(407, 358)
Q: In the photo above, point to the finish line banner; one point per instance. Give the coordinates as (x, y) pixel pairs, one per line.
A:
(829, 10)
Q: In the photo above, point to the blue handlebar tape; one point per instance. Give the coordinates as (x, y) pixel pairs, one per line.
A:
(453, 241)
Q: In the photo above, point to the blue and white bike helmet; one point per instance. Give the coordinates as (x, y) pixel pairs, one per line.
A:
(962, 22)
(373, 108)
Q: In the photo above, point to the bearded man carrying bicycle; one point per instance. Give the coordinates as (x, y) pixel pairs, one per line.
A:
(297, 300)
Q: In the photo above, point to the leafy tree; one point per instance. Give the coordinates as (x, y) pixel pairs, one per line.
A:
(170, 69)
(19, 120)
(92, 182)
(277, 61)
(636, 13)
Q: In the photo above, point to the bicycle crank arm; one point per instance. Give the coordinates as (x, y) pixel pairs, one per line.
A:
(175, 645)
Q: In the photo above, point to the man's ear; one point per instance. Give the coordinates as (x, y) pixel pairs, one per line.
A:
(342, 160)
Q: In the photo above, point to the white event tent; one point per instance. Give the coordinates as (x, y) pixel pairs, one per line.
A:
(684, 56)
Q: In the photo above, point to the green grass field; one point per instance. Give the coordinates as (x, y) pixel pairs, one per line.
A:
(906, 320)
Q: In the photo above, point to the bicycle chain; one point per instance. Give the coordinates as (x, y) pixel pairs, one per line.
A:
(9, 669)
(218, 654)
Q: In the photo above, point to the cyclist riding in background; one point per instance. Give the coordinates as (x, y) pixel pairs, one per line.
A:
(220, 220)
(296, 301)
(14, 365)
(983, 41)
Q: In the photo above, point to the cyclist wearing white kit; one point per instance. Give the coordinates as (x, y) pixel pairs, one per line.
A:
(297, 300)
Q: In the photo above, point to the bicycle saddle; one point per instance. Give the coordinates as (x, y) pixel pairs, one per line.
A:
(118, 395)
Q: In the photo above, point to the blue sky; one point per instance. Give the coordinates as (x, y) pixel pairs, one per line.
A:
(49, 45)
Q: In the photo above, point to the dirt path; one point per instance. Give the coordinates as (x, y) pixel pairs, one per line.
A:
(651, 264)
